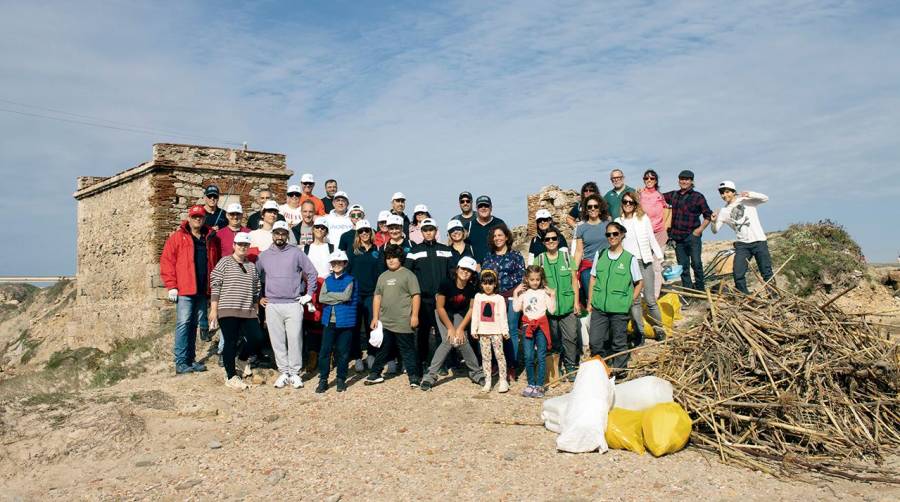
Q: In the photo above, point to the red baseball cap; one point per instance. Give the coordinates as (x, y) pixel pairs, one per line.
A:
(196, 211)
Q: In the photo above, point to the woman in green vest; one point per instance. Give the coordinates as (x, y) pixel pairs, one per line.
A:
(562, 277)
(615, 284)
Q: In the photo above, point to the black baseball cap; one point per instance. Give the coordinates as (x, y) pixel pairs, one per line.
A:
(686, 174)
(211, 190)
(483, 199)
(465, 194)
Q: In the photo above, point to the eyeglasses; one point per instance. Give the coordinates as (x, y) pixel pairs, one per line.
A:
(592, 206)
(629, 203)
(612, 234)
(616, 178)
(356, 215)
(551, 239)
(649, 178)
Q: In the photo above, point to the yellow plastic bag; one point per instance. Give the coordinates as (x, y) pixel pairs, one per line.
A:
(624, 430)
(670, 310)
(666, 428)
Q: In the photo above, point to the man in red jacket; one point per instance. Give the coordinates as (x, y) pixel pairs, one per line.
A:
(187, 260)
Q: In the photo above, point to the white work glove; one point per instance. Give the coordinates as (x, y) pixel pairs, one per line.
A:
(303, 300)
(310, 307)
(173, 295)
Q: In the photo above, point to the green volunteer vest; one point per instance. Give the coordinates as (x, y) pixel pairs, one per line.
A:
(613, 288)
(559, 279)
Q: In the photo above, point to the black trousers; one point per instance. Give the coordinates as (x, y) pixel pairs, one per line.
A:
(406, 343)
(232, 329)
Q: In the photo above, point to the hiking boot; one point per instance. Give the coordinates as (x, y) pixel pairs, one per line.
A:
(426, 385)
(503, 387)
(282, 380)
(341, 386)
(373, 379)
(182, 368)
(322, 387)
(235, 382)
(296, 382)
(528, 392)
(204, 335)
(198, 367)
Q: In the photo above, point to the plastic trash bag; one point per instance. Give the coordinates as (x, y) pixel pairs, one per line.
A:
(377, 335)
(553, 410)
(670, 311)
(624, 431)
(583, 425)
(642, 393)
(666, 428)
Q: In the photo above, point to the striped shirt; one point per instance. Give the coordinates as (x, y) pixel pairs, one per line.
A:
(236, 287)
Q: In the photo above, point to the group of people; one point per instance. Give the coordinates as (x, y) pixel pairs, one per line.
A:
(329, 287)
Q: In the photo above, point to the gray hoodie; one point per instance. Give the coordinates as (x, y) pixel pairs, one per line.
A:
(283, 273)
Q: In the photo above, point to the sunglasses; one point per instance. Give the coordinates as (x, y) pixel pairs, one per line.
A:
(483, 205)
(307, 183)
(588, 190)
(364, 231)
(612, 234)
(465, 201)
(543, 220)
(629, 203)
(592, 206)
(356, 215)
(320, 227)
(212, 196)
(647, 178)
(399, 200)
(551, 239)
(293, 194)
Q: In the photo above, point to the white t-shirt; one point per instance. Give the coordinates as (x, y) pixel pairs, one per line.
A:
(318, 255)
(260, 239)
(291, 214)
(742, 217)
(635, 270)
(337, 225)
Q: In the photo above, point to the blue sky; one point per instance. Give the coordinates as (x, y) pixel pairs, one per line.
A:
(796, 99)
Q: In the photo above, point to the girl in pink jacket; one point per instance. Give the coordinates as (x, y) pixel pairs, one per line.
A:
(490, 327)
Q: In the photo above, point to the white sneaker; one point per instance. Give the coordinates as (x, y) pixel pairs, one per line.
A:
(360, 366)
(296, 382)
(235, 382)
(487, 384)
(503, 387)
(282, 380)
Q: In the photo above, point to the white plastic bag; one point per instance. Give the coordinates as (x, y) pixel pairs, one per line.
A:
(583, 425)
(377, 335)
(642, 393)
(553, 411)
(585, 325)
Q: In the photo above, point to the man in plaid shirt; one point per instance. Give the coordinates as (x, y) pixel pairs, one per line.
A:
(687, 207)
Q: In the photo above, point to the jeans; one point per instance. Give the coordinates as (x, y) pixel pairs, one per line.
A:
(606, 326)
(360, 341)
(565, 333)
(535, 346)
(406, 343)
(511, 346)
(337, 339)
(648, 278)
(688, 253)
(232, 329)
(446, 348)
(585, 284)
(202, 319)
(187, 315)
(743, 251)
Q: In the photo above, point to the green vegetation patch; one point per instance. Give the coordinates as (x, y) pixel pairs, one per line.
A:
(824, 255)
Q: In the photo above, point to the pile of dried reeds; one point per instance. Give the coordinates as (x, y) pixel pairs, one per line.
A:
(786, 386)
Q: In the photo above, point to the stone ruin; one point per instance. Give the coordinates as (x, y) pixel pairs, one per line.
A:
(123, 222)
(554, 199)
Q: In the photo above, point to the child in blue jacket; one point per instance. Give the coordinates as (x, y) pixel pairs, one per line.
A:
(340, 297)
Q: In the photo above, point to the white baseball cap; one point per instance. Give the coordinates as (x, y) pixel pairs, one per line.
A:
(361, 224)
(234, 207)
(383, 215)
(428, 222)
(242, 238)
(398, 195)
(356, 207)
(294, 189)
(307, 178)
(394, 219)
(542, 214)
(320, 221)
(453, 225)
(281, 225)
(420, 208)
(727, 184)
(340, 194)
(337, 255)
(467, 262)
(270, 204)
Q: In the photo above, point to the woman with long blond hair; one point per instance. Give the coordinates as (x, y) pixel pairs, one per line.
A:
(641, 243)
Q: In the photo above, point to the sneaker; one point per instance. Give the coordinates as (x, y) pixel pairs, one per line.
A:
(443, 372)
(198, 367)
(426, 385)
(322, 387)
(181, 369)
(487, 385)
(282, 380)
(235, 382)
(248, 369)
(391, 367)
(373, 379)
(360, 366)
(480, 381)
(204, 335)
(296, 382)
(503, 387)
(341, 385)
(243, 368)
(538, 393)
(528, 392)
(414, 384)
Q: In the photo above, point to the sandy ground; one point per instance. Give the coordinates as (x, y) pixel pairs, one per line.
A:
(188, 437)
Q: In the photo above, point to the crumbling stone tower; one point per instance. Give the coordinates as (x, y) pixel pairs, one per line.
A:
(124, 220)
